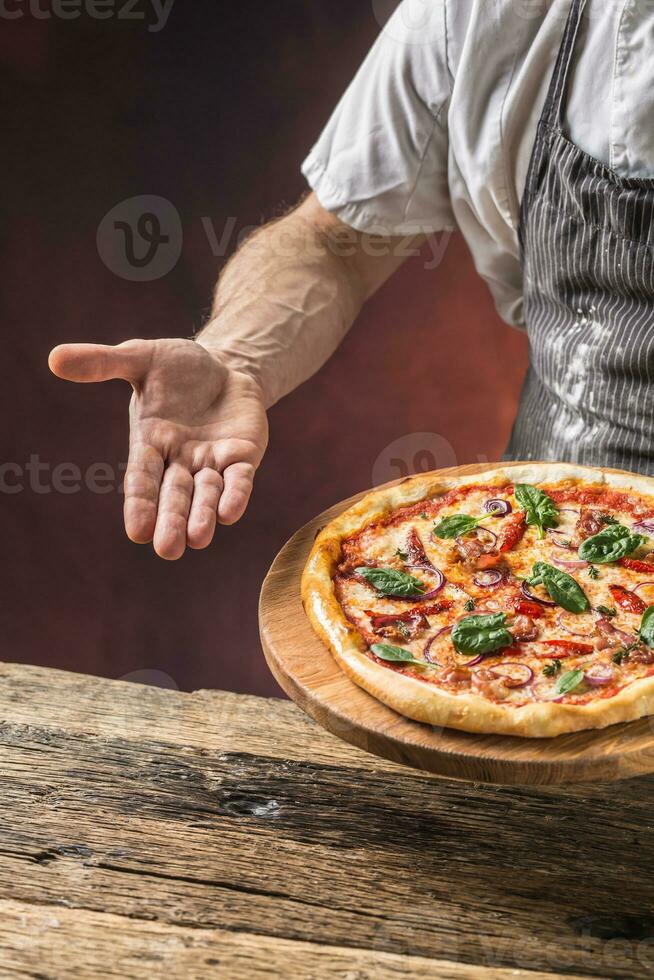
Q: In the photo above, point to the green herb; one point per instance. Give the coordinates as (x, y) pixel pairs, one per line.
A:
(403, 630)
(646, 631)
(611, 544)
(389, 581)
(560, 586)
(396, 655)
(481, 634)
(423, 516)
(551, 670)
(592, 572)
(456, 525)
(469, 605)
(608, 519)
(540, 509)
(622, 654)
(566, 543)
(607, 610)
(402, 555)
(568, 681)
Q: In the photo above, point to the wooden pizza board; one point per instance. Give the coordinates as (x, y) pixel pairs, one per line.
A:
(306, 671)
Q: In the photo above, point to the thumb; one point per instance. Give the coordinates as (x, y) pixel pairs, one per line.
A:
(100, 362)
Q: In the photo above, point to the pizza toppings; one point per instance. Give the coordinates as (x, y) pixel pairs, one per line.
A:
(598, 675)
(463, 631)
(540, 510)
(561, 587)
(635, 565)
(457, 525)
(497, 507)
(514, 674)
(567, 648)
(568, 681)
(512, 532)
(524, 629)
(610, 545)
(646, 631)
(590, 523)
(396, 655)
(626, 599)
(390, 582)
(481, 633)
(415, 551)
(488, 579)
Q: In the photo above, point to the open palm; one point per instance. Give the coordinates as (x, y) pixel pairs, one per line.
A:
(198, 432)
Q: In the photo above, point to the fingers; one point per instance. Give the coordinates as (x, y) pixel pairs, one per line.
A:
(174, 506)
(202, 520)
(238, 486)
(99, 362)
(142, 482)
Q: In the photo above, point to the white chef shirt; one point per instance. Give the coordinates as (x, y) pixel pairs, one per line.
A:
(438, 125)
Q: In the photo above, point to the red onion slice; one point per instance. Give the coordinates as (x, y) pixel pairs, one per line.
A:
(575, 625)
(514, 675)
(530, 595)
(488, 578)
(599, 674)
(427, 651)
(645, 525)
(559, 544)
(642, 585)
(473, 662)
(440, 582)
(498, 507)
(564, 563)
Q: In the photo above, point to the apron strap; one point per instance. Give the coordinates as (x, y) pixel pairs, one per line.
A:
(553, 109)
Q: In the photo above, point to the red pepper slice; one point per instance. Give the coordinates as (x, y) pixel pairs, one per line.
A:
(626, 599)
(568, 648)
(513, 529)
(526, 608)
(636, 565)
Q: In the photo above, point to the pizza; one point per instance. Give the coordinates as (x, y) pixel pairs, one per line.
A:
(519, 601)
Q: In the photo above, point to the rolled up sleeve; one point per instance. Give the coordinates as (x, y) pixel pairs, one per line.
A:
(381, 163)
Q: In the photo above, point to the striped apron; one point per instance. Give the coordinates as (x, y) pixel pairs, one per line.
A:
(587, 243)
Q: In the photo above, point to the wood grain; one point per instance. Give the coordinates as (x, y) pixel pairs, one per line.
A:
(101, 945)
(307, 672)
(163, 831)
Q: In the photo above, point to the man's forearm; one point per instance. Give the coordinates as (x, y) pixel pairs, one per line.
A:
(284, 302)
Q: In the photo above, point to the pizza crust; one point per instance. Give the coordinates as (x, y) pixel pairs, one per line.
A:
(423, 702)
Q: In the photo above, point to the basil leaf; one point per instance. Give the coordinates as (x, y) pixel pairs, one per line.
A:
(568, 681)
(646, 631)
(540, 509)
(396, 655)
(389, 581)
(456, 525)
(561, 587)
(612, 543)
(481, 634)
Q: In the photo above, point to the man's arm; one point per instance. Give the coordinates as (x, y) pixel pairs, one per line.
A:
(198, 427)
(287, 299)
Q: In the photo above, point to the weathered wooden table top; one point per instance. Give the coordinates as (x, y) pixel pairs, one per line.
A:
(147, 833)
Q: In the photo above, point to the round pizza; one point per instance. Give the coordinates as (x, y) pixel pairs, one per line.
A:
(518, 602)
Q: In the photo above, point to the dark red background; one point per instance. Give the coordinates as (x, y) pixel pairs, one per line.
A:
(215, 113)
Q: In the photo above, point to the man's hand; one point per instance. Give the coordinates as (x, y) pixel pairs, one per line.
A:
(198, 432)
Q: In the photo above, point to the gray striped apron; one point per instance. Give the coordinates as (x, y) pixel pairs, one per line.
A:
(587, 243)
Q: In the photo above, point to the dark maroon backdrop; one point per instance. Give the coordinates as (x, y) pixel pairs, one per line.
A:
(214, 113)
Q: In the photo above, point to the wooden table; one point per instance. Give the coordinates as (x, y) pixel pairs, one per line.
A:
(147, 833)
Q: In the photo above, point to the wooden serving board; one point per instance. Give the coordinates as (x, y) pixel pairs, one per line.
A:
(307, 672)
